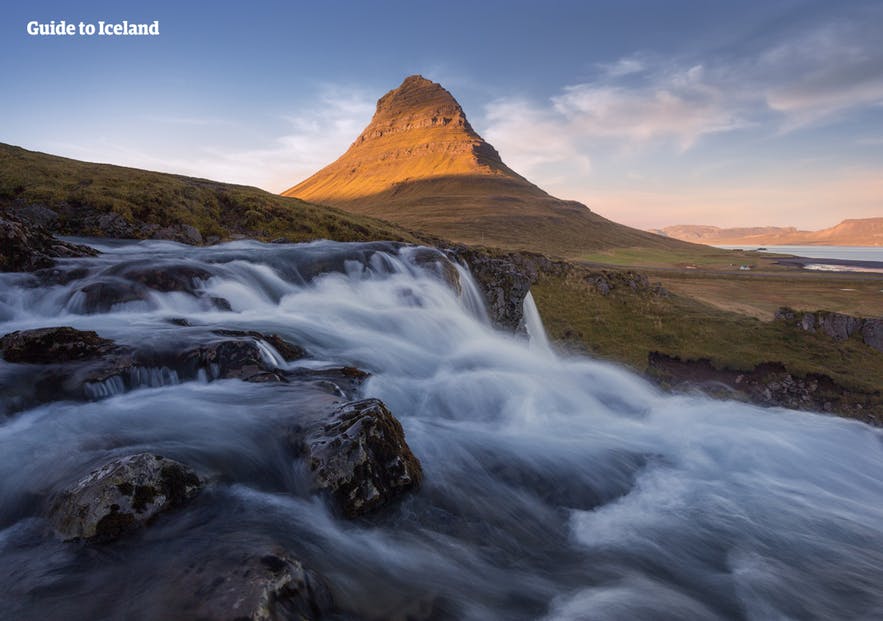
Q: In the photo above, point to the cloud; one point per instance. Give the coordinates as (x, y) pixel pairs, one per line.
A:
(647, 103)
(310, 137)
(824, 73)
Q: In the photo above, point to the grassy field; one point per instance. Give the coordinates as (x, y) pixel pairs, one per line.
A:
(73, 188)
(706, 258)
(626, 325)
(760, 295)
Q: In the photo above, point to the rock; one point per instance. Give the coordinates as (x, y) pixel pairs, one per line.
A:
(288, 351)
(53, 345)
(121, 496)
(183, 233)
(265, 586)
(600, 284)
(111, 224)
(25, 246)
(361, 459)
(872, 333)
(808, 322)
(340, 381)
(230, 359)
(784, 313)
(168, 277)
(435, 261)
(103, 296)
(838, 326)
(503, 284)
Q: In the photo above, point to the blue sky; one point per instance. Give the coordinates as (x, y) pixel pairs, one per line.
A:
(652, 113)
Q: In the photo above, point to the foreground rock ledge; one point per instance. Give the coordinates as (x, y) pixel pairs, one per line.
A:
(53, 345)
(260, 587)
(361, 459)
(122, 496)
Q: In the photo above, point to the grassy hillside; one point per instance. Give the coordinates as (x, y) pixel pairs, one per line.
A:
(626, 325)
(80, 193)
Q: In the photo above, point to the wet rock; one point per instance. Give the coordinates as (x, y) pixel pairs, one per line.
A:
(341, 381)
(53, 345)
(288, 351)
(230, 359)
(505, 278)
(103, 296)
(432, 259)
(121, 496)
(504, 286)
(26, 246)
(361, 459)
(262, 587)
(176, 277)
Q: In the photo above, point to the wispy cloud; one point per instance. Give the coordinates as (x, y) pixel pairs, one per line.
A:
(309, 138)
(645, 102)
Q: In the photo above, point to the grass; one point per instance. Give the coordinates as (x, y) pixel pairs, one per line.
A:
(73, 188)
(760, 296)
(626, 325)
(690, 258)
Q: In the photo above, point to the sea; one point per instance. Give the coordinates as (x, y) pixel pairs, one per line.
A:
(870, 257)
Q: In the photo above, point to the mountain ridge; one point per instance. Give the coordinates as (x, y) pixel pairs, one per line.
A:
(849, 232)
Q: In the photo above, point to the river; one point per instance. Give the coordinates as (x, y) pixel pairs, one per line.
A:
(556, 487)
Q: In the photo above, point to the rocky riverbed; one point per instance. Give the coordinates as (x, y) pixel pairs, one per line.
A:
(341, 431)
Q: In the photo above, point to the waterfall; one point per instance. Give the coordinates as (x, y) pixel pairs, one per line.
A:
(556, 487)
(534, 325)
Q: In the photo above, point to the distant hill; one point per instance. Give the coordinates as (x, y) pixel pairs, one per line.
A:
(858, 232)
(419, 163)
(81, 198)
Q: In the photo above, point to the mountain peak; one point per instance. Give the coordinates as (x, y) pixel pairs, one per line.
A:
(417, 103)
(418, 132)
(420, 163)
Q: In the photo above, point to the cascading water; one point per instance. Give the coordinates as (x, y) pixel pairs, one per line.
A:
(555, 488)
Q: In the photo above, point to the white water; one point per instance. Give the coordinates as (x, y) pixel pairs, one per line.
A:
(555, 488)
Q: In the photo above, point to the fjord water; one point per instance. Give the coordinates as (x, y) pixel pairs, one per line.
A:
(556, 487)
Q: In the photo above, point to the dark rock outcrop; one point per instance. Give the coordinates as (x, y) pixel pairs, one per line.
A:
(269, 586)
(768, 384)
(65, 363)
(505, 279)
(360, 458)
(605, 282)
(288, 351)
(53, 345)
(837, 326)
(121, 496)
(230, 359)
(26, 246)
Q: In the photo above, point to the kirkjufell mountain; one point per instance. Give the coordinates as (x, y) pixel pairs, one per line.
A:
(420, 164)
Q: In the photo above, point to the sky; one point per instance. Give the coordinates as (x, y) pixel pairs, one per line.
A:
(651, 113)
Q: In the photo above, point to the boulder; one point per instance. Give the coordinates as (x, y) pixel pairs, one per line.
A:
(230, 359)
(121, 496)
(170, 277)
(53, 345)
(25, 246)
(260, 587)
(288, 351)
(361, 459)
(104, 295)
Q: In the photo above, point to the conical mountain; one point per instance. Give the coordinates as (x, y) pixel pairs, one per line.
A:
(420, 164)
